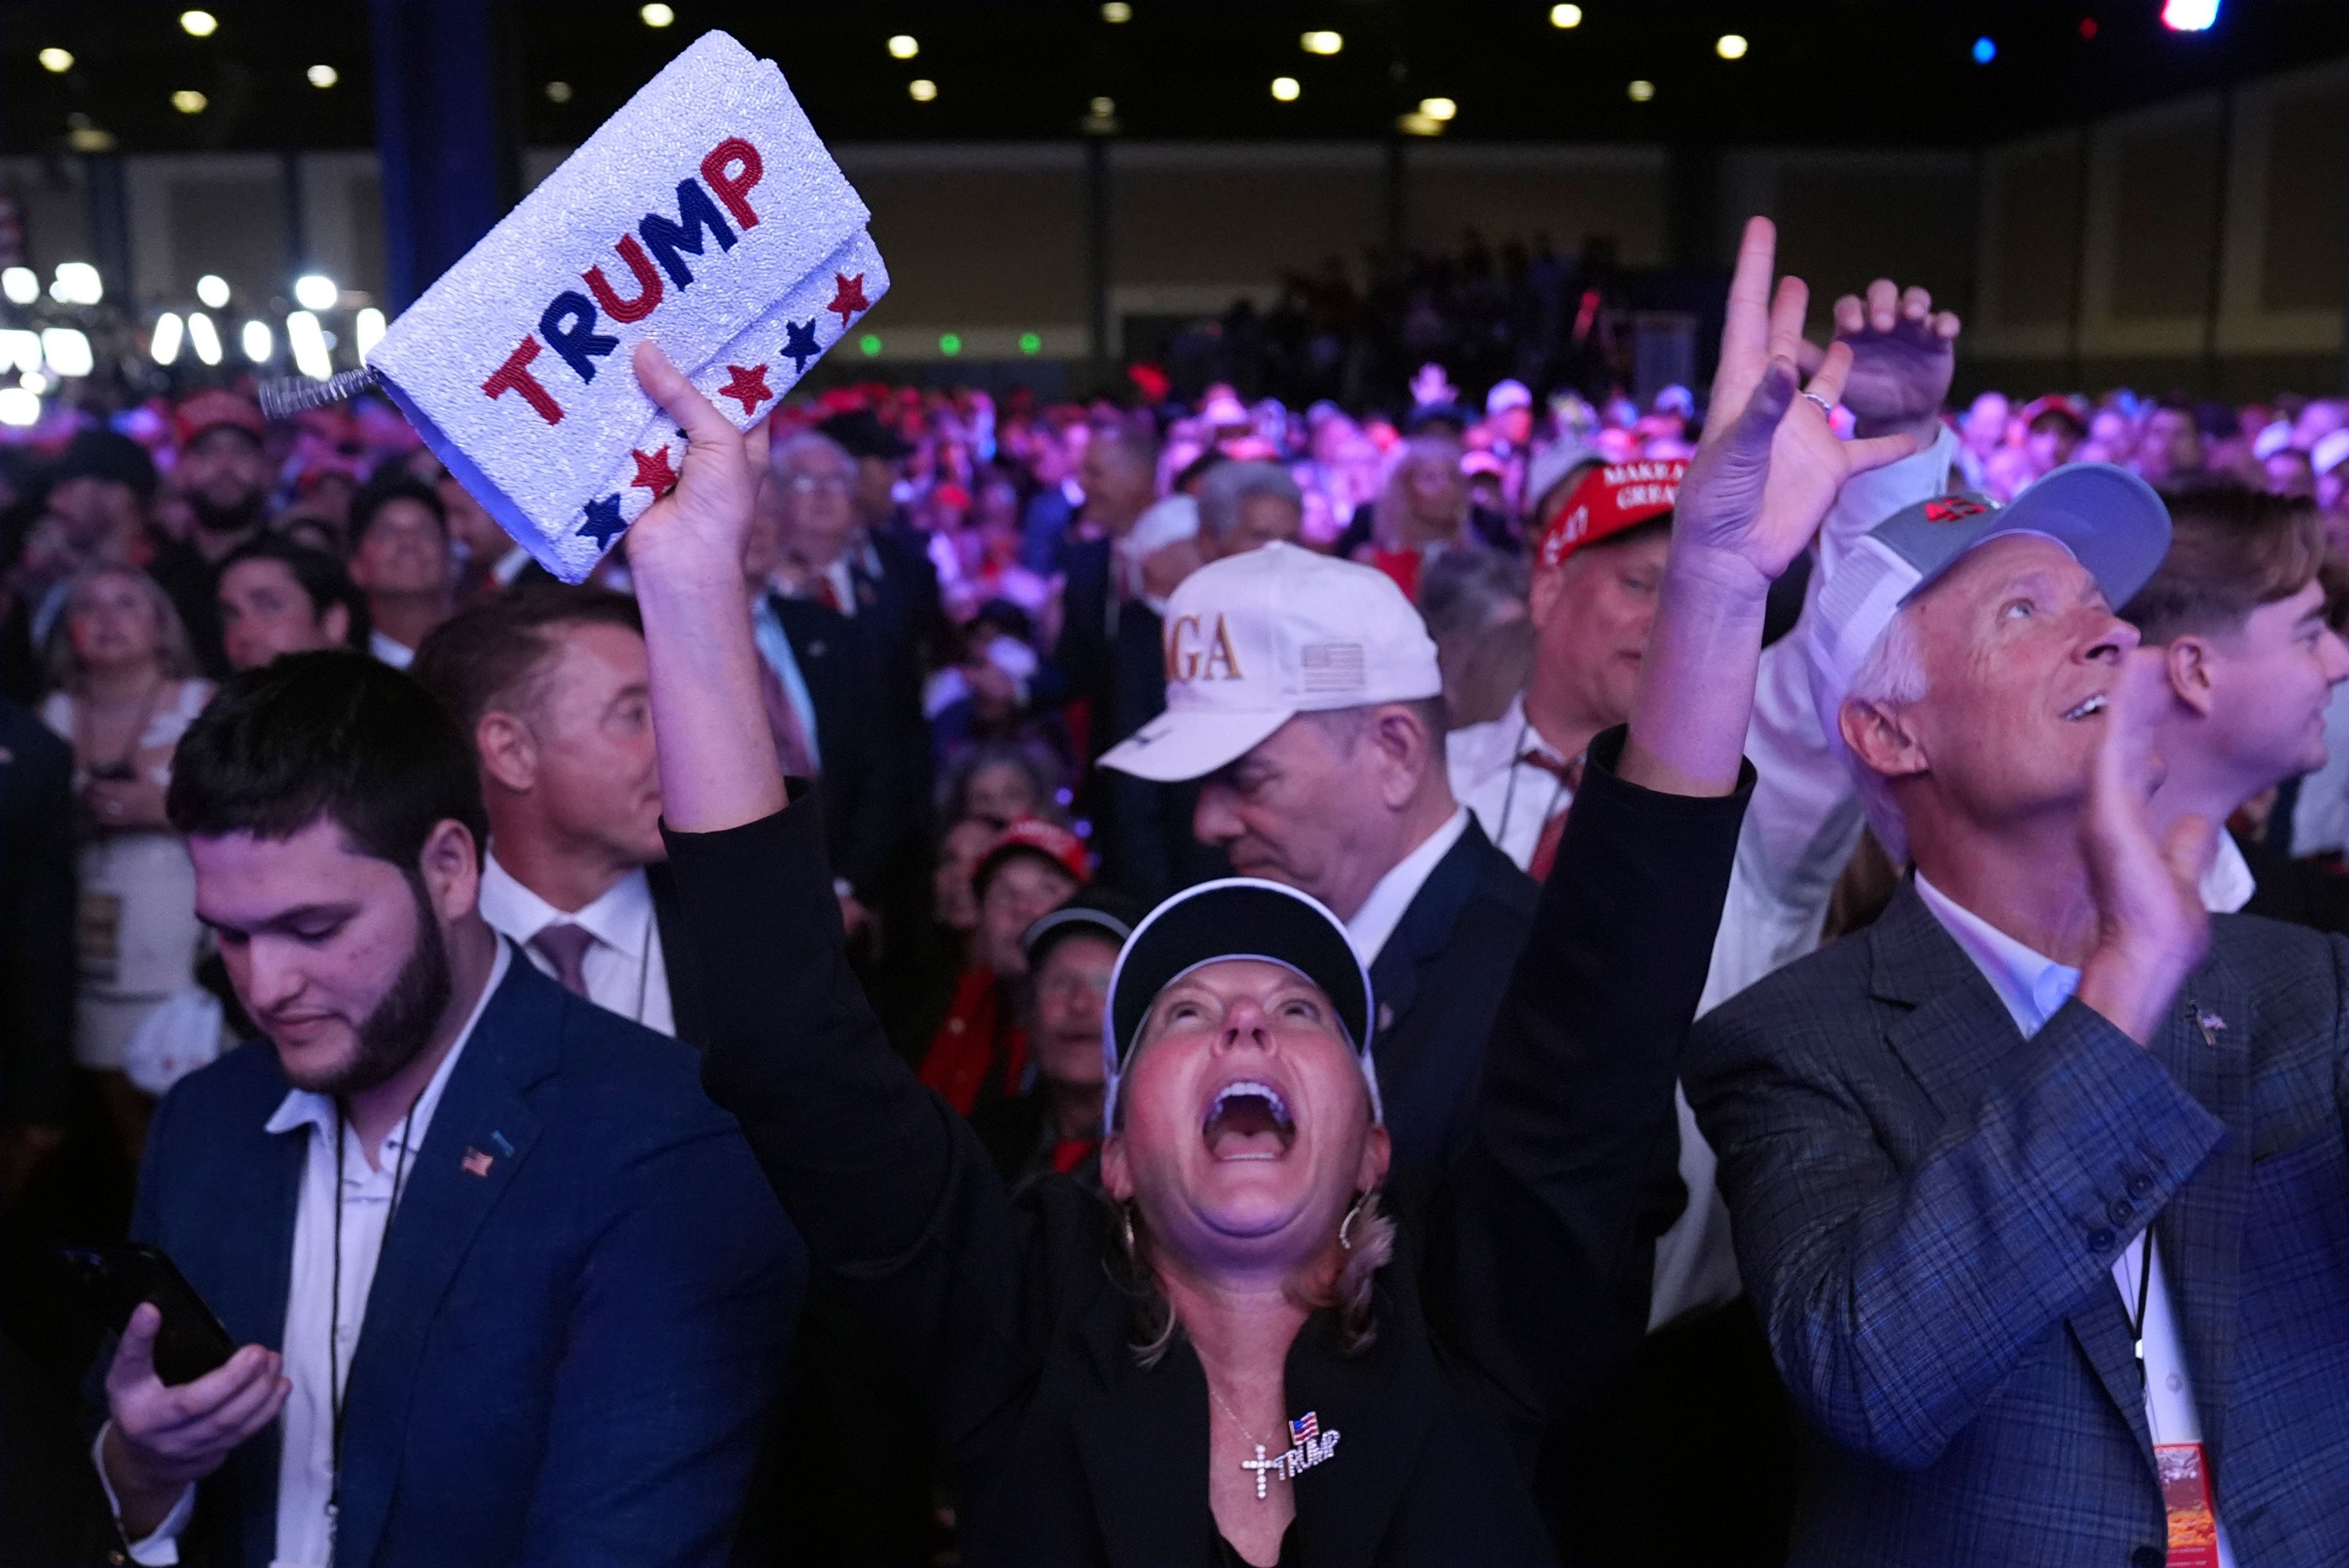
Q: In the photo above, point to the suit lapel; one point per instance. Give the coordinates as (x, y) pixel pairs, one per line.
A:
(255, 1270)
(2201, 1231)
(677, 964)
(1144, 1444)
(1420, 934)
(447, 1195)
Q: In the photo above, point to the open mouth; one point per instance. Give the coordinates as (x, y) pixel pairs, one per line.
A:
(1247, 1120)
(2094, 705)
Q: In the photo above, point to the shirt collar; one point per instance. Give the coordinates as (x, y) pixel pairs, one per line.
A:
(2227, 883)
(1380, 913)
(2031, 984)
(303, 1107)
(619, 917)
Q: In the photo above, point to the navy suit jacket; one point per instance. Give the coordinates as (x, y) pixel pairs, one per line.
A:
(1927, 1208)
(565, 1358)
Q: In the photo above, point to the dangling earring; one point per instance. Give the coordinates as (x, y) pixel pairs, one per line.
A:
(1345, 1239)
(1126, 1217)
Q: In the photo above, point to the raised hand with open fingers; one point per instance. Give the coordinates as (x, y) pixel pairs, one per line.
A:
(1903, 355)
(1769, 465)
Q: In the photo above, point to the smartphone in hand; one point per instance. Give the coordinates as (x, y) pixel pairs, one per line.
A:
(120, 1274)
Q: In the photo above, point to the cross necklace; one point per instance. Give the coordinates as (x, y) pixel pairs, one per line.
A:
(1259, 1464)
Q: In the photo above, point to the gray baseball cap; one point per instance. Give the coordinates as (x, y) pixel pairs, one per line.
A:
(2111, 520)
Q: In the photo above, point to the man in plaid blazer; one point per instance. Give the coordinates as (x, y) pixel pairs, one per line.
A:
(2040, 1184)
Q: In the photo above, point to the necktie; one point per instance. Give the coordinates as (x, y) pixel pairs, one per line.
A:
(792, 748)
(826, 591)
(1546, 847)
(565, 945)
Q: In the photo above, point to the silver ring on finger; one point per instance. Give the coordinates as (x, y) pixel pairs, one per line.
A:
(1824, 407)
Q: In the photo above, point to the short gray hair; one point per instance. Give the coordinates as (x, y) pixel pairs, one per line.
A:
(1893, 675)
(1227, 487)
(781, 457)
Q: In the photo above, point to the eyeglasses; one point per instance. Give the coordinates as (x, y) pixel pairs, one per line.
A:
(810, 484)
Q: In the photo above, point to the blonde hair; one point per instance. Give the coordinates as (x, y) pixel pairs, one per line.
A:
(172, 650)
(1368, 1242)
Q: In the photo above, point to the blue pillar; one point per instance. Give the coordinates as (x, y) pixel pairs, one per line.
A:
(447, 152)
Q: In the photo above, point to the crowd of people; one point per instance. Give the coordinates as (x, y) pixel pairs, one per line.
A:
(1500, 930)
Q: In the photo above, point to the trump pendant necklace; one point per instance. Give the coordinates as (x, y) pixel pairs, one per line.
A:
(1309, 1446)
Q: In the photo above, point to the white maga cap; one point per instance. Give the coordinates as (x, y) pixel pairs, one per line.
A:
(1255, 639)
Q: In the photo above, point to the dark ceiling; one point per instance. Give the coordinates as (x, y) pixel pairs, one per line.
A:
(1865, 72)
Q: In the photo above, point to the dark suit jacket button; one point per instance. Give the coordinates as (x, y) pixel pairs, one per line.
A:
(2119, 1209)
(2148, 1557)
(2139, 1186)
(2100, 1240)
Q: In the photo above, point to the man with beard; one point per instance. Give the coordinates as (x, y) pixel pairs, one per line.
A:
(508, 1288)
(224, 475)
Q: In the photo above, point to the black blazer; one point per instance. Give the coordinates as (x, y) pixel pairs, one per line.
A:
(687, 1010)
(1497, 1317)
(37, 954)
(1440, 981)
(863, 813)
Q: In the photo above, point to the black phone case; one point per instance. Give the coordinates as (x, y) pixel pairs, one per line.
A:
(121, 1274)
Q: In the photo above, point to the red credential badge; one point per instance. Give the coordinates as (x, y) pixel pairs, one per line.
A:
(2186, 1497)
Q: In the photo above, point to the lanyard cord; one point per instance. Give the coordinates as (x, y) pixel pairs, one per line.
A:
(334, 1294)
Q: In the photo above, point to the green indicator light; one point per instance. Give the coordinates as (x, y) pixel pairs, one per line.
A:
(949, 345)
(870, 343)
(1029, 343)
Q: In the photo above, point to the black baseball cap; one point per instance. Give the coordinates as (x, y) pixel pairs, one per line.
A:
(1243, 918)
(861, 434)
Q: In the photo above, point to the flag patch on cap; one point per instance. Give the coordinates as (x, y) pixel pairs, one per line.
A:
(1330, 666)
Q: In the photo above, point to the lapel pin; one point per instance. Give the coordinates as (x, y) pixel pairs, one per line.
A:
(500, 1140)
(477, 1163)
(2212, 1025)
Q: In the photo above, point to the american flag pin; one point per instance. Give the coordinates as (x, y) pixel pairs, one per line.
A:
(1308, 1425)
(477, 1163)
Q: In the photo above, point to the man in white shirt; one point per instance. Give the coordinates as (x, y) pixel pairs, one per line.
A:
(518, 1289)
(400, 560)
(551, 688)
(1303, 692)
(2025, 1177)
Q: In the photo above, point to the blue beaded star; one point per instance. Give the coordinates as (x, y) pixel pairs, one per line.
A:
(603, 522)
(799, 344)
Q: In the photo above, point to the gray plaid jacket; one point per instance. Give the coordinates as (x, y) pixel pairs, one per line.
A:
(1927, 1210)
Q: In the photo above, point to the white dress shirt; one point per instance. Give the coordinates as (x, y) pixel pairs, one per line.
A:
(626, 970)
(305, 1462)
(2034, 987)
(1512, 798)
(1383, 910)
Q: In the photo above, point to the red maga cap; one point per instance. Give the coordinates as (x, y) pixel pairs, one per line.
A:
(211, 408)
(1032, 836)
(1610, 498)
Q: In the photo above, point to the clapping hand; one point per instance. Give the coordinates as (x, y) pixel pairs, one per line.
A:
(2152, 927)
(1769, 466)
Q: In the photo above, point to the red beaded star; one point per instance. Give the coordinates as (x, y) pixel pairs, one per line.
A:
(654, 473)
(850, 299)
(748, 387)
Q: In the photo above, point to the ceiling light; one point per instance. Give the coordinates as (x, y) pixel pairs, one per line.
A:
(1416, 124)
(213, 289)
(1438, 108)
(21, 285)
(322, 77)
(1565, 15)
(921, 89)
(199, 24)
(558, 92)
(258, 341)
(170, 332)
(1101, 107)
(19, 406)
(188, 100)
(20, 350)
(657, 14)
(56, 61)
(77, 283)
(202, 338)
(2189, 16)
(316, 291)
(1285, 88)
(66, 350)
(367, 330)
(1641, 91)
(904, 47)
(35, 382)
(1323, 43)
(1730, 46)
(1985, 50)
(1114, 11)
(89, 138)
